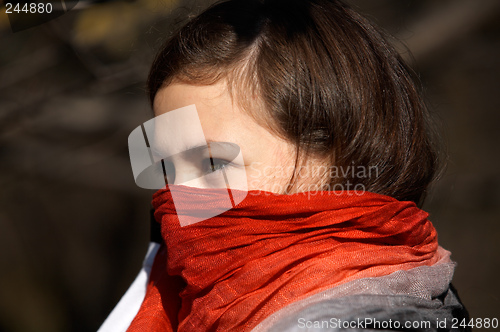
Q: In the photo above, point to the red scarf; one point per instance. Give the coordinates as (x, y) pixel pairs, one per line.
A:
(270, 250)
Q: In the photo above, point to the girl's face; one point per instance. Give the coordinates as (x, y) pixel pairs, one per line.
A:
(267, 159)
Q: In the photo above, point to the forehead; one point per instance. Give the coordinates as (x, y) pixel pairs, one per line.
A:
(211, 99)
(221, 118)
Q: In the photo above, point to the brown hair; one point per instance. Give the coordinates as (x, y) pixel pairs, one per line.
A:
(328, 79)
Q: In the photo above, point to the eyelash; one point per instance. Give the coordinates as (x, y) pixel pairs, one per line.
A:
(208, 166)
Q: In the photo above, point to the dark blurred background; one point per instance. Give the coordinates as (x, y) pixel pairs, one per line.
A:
(73, 225)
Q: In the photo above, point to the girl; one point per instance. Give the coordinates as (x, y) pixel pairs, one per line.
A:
(294, 151)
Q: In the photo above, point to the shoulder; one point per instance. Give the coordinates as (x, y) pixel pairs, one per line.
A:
(370, 312)
(420, 299)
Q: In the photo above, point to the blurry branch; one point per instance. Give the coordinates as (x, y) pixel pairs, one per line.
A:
(15, 115)
(83, 167)
(28, 66)
(116, 29)
(109, 77)
(446, 24)
(96, 28)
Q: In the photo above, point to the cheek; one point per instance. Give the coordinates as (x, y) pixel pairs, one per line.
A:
(270, 174)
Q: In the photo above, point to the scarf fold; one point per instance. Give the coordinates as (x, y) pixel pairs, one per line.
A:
(271, 250)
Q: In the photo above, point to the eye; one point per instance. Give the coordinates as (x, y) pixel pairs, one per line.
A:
(210, 165)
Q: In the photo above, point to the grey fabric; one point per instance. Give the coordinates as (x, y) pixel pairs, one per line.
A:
(375, 313)
(419, 294)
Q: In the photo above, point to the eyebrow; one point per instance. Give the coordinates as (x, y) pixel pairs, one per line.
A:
(202, 146)
(194, 149)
